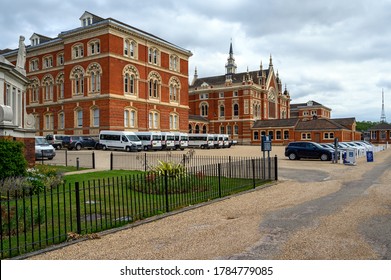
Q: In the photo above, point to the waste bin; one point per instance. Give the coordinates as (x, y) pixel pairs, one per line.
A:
(369, 156)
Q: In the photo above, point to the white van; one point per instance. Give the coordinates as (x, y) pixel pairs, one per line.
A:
(200, 140)
(226, 142)
(181, 140)
(150, 140)
(119, 140)
(168, 141)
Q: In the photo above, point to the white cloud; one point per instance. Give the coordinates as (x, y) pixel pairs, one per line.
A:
(334, 52)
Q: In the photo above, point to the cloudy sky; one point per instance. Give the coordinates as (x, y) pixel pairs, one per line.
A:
(336, 52)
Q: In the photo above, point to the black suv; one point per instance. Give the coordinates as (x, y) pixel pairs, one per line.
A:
(79, 142)
(297, 150)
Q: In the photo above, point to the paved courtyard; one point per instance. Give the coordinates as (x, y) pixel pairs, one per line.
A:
(317, 210)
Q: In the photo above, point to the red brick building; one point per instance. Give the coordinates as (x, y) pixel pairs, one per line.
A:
(231, 103)
(106, 74)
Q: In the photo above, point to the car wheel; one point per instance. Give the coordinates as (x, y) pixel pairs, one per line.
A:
(104, 148)
(78, 147)
(50, 158)
(145, 148)
(58, 147)
(292, 156)
(127, 149)
(324, 157)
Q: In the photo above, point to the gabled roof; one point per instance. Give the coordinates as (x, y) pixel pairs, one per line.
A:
(275, 123)
(309, 104)
(346, 122)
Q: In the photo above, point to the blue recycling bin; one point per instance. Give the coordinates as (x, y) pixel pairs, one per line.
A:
(369, 156)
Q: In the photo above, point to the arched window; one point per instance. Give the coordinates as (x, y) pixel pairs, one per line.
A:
(190, 128)
(204, 106)
(154, 85)
(94, 72)
(236, 110)
(60, 85)
(153, 56)
(34, 90)
(130, 76)
(197, 129)
(175, 87)
(48, 85)
(204, 129)
(77, 79)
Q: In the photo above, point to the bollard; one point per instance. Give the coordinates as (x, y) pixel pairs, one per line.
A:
(77, 163)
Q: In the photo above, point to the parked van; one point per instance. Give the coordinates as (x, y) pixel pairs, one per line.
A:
(226, 142)
(181, 140)
(168, 141)
(150, 140)
(55, 140)
(119, 140)
(200, 140)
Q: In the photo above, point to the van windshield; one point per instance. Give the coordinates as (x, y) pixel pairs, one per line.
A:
(156, 137)
(133, 138)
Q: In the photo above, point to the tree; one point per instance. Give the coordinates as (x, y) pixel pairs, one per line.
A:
(365, 125)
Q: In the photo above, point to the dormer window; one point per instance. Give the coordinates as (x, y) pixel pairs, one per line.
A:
(34, 39)
(86, 21)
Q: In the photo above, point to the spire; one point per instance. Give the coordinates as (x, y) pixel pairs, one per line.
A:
(270, 61)
(195, 76)
(230, 66)
(383, 113)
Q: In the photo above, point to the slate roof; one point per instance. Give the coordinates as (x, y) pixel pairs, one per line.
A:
(381, 126)
(198, 118)
(324, 124)
(236, 78)
(275, 123)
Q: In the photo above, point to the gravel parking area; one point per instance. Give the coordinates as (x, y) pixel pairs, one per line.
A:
(328, 216)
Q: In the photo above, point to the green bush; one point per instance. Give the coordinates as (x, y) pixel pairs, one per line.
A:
(13, 162)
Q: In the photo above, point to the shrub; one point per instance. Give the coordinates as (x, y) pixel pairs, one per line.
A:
(13, 162)
(173, 169)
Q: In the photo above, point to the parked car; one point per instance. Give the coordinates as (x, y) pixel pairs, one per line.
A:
(79, 142)
(55, 140)
(43, 149)
(298, 150)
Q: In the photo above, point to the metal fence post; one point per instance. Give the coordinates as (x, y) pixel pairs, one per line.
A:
(253, 167)
(42, 156)
(111, 160)
(275, 168)
(78, 212)
(166, 190)
(93, 160)
(77, 163)
(219, 177)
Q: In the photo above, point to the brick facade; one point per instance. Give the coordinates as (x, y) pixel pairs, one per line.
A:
(85, 79)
